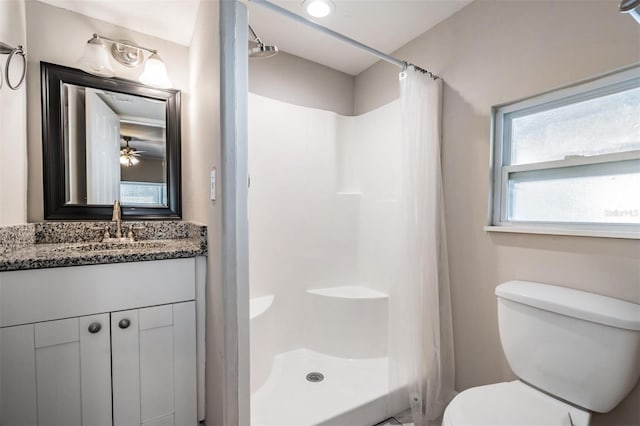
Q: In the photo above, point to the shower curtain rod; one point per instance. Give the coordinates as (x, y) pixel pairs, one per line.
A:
(309, 23)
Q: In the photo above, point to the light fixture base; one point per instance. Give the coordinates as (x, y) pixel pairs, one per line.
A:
(128, 56)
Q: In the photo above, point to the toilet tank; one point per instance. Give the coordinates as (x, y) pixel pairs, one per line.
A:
(581, 347)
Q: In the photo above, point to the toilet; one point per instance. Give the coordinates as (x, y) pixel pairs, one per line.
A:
(573, 352)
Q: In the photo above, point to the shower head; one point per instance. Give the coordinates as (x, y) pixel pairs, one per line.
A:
(261, 50)
(632, 7)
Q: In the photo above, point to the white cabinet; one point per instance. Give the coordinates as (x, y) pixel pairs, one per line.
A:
(154, 375)
(139, 366)
(57, 372)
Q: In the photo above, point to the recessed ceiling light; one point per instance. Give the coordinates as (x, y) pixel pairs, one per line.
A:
(318, 8)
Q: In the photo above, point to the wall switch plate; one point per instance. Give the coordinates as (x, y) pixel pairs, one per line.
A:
(212, 187)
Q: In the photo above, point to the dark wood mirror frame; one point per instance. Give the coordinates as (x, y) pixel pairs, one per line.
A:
(53, 157)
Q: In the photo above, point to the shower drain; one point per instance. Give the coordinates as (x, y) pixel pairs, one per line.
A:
(315, 377)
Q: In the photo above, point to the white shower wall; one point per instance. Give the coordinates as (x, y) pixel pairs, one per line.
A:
(298, 222)
(377, 160)
(322, 197)
(322, 214)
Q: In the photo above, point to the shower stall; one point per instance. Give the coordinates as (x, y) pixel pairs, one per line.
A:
(323, 244)
(349, 312)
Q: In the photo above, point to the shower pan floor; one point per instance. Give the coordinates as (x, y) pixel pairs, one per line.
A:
(288, 399)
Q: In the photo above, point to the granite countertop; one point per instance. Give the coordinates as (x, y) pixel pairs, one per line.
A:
(58, 244)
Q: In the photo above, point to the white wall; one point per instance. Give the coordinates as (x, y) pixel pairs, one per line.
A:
(13, 119)
(199, 155)
(58, 36)
(322, 196)
(323, 212)
(489, 53)
(298, 222)
(374, 163)
(303, 234)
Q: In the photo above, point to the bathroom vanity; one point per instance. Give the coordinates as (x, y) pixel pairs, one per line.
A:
(102, 334)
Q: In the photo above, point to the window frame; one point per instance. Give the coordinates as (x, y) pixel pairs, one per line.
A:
(501, 116)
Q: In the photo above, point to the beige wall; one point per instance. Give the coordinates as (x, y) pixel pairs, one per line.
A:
(58, 36)
(489, 53)
(298, 81)
(13, 119)
(199, 157)
(149, 169)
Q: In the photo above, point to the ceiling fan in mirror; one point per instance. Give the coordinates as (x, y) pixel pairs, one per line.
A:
(128, 155)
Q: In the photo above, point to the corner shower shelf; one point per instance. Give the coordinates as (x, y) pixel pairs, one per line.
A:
(259, 305)
(349, 292)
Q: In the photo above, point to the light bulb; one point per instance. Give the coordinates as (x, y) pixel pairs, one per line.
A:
(129, 160)
(318, 8)
(155, 73)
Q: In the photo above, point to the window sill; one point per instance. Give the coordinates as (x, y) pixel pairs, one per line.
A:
(549, 230)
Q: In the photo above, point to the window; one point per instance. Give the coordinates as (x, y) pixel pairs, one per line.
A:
(570, 159)
(143, 193)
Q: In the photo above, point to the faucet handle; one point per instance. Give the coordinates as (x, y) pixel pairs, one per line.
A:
(130, 233)
(105, 228)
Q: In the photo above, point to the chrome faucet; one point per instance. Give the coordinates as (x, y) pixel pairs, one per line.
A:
(120, 234)
(117, 218)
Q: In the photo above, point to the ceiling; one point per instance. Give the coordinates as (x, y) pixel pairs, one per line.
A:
(136, 108)
(383, 24)
(172, 20)
(141, 119)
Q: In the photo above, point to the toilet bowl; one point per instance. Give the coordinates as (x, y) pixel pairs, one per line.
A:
(575, 352)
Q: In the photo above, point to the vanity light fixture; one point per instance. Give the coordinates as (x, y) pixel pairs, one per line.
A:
(128, 155)
(318, 8)
(95, 60)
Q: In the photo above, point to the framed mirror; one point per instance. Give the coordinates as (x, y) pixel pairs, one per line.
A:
(107, 139)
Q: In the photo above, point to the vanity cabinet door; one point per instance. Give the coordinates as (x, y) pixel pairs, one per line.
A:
(57, 373)
(154, 366)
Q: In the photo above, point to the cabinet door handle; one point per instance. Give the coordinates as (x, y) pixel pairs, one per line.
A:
(124, 323)
(94, 327)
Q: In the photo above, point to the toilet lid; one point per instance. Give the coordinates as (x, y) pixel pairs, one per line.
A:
(511, 404)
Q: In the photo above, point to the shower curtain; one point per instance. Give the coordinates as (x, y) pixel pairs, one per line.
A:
(420, 339)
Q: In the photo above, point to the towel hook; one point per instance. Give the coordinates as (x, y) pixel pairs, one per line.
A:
(12, 52)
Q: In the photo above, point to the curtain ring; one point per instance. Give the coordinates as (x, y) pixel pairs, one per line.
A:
(17, 51)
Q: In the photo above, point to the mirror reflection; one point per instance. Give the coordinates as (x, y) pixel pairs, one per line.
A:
(115, 148)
